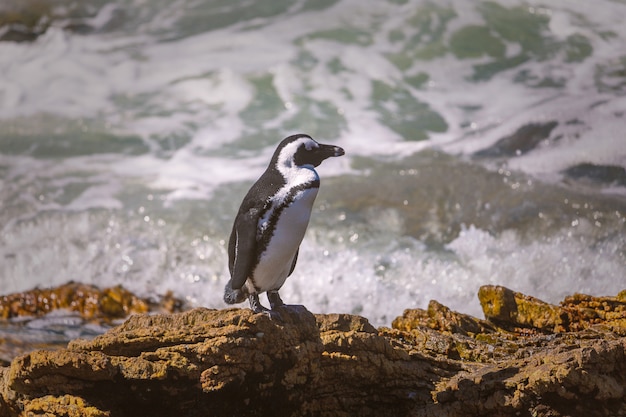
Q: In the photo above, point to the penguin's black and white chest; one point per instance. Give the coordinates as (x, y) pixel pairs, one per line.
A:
(280, 231)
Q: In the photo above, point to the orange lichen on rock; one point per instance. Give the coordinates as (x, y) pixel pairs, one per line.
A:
(89, 301)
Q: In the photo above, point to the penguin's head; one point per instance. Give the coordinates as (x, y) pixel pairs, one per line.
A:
(301, 150)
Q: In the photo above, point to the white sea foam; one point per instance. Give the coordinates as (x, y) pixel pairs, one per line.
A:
(176, 73)
(76, 217)
(380, 284)
(369, 269)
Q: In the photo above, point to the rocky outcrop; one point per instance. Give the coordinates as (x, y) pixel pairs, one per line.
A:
(513, 310)
(26, 20)
(525, 139)
(433, 362)
(89, 301)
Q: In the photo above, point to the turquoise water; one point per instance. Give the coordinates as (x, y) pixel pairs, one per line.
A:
(484, 145)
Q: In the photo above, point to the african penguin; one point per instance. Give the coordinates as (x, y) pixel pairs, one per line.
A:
(271, 222)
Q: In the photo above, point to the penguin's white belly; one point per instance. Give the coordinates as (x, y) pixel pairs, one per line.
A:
(275, 262)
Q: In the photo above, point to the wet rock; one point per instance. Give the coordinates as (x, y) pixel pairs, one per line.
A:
(50, 318)
(23, 21)
(597, 174)
(89, 301)
(525, 139)
(26, 20)
(433, 362)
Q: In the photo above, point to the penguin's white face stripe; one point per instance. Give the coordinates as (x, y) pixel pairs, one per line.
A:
(285, 159)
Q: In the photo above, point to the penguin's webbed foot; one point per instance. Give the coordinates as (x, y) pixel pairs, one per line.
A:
(296, 308)
(274, 299)
(273, 315)
(255, 304)
(257, 307)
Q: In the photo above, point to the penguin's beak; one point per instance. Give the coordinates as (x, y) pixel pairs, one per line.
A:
(330, 150)
(316, 155)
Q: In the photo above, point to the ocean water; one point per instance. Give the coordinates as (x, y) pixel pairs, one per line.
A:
(485, 144)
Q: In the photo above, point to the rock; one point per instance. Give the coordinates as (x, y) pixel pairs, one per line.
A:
(26, 20)
(524, 140)
(586, 311)
(50, 318)
(230, 362)
(433, 362)
(87, 300)
(597, 174)
(440, 317)
(584, 378)
(513, 310)
(64, 406)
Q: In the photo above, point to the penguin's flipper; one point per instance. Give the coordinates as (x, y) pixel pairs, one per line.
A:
(245, 245)
(293, 263)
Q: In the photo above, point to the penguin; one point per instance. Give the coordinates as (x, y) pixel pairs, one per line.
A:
(271, 222)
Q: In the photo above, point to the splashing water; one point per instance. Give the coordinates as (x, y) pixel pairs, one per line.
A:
(484, 146)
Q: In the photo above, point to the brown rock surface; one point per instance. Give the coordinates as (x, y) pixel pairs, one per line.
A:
(432, 363)
(89, 301)
(26, 20)
(74, 306)
(513, 310)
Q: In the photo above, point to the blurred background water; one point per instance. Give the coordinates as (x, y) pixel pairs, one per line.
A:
(484, 144)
